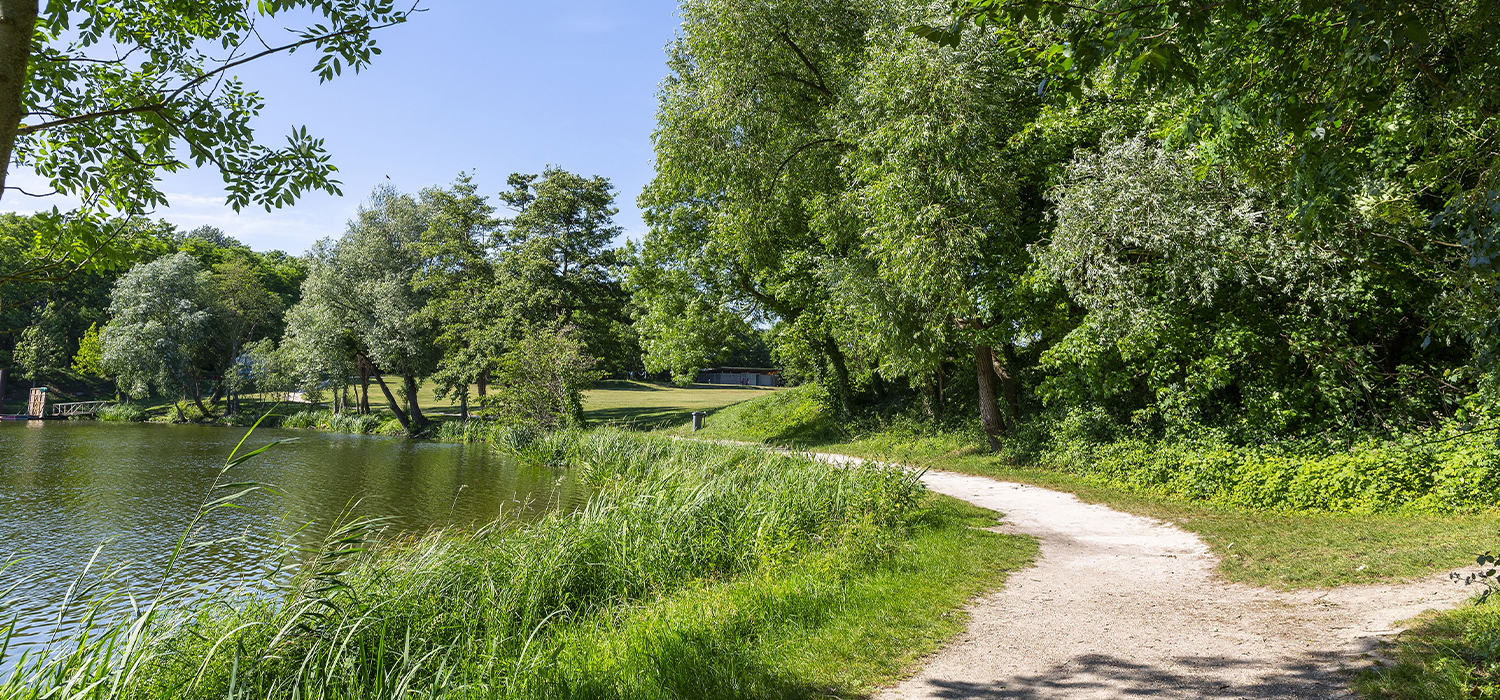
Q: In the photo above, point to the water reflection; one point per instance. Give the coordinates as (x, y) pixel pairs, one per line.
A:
(65, 487)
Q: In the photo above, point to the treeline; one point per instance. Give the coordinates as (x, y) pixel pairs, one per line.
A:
(50, 321)
(516, 313)
(921, 221)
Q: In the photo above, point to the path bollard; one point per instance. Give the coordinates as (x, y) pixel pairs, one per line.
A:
(698, 420)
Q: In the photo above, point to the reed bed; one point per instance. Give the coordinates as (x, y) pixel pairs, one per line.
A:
(510, 610)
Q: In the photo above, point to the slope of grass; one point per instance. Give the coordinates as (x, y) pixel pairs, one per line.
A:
(1275, 547)
(652, 405)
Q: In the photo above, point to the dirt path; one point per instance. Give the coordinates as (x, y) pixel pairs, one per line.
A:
(1121, 606)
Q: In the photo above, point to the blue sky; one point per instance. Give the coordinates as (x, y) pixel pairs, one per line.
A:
(486, 86)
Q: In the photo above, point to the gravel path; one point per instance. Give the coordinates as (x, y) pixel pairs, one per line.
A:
(1121, 606)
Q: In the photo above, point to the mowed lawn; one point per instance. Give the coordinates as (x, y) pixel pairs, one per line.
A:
(642, 405)
(651, 405)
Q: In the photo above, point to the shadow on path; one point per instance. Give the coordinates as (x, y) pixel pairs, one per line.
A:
(1100, 675)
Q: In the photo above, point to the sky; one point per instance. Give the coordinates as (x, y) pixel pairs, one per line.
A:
(490, 87)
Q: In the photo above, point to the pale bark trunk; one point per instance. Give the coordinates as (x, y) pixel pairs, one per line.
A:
(395, 407)
(989, 410)
(414, 410)
(17, 23)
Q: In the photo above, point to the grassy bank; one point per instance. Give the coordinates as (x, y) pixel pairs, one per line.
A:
(1448, 655)
(695, 571)
(1377, 513)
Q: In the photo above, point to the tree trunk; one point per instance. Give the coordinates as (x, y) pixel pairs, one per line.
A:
(989, 410)
(483, 384)
(395, 407)
(364, 393)
(17, 23)
(414, 410)
(840, 375)
(198, 398)
(1010, 387)
(463, 405)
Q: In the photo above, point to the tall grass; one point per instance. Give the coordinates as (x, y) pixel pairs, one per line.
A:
(123, 413)
(352, 423)
(489, 613)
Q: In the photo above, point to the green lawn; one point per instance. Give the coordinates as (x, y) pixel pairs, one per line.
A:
(652, 405)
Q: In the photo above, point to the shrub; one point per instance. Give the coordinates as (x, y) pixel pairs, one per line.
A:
(1447, 472)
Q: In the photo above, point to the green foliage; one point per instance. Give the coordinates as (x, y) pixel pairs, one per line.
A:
(104, 129)
(122, 413)
(90, 356)
(42, 348)
(1204, 307)
(160, 323)
(1436, 471)
(351, 423)
(541, 381)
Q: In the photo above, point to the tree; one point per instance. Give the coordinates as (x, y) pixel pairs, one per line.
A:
(361, 307)
(160, 318)
(555, 263)
(42, 347)
(541, 381)
(745, 143)
(101, 99)
(89, 359)
(458, 274)
(243, 309)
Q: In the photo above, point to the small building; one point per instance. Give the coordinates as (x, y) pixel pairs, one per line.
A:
(743, 376)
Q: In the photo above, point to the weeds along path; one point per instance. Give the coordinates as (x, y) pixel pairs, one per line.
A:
(1122, 606)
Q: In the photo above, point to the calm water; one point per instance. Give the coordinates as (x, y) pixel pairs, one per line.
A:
(66, 487)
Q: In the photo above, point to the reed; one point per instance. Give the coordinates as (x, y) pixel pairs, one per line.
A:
(501, 611)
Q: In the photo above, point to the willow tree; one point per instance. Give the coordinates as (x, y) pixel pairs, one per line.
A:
(362, 302)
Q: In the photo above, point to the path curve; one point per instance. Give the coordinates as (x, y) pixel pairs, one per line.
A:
(1123, 606)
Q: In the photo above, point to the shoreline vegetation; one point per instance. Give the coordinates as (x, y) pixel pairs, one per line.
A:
(696, 569)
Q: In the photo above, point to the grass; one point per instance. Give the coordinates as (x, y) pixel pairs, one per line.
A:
(1279, 548)
(649, 404)
(695, 571)
(1448, 655)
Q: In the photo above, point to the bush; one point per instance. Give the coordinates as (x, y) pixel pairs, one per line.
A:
(1441, 472)
(352, 423)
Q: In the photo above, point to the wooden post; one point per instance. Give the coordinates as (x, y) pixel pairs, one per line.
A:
(37, 407)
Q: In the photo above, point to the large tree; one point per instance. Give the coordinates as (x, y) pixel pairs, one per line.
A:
(362, 308)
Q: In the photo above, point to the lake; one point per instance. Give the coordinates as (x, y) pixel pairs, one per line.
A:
(68, 486)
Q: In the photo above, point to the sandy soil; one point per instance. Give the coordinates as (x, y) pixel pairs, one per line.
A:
(1121, 606)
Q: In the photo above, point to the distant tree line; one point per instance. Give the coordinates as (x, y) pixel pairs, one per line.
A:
(509, 315)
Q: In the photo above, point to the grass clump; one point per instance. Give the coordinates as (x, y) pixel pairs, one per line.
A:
(695, 570)
(350, 423)
(1448, 655)
(122, 413)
